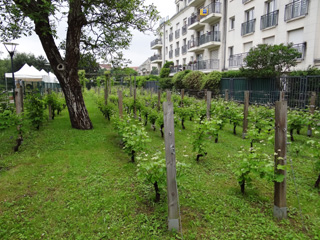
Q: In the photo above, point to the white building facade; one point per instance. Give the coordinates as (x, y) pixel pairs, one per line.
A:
(209, 35)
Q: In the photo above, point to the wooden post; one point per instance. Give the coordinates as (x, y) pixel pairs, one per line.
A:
(280, 148)
(226, 95)
(18, 98)
(120, 103)
(182, 97)
(208, 100)
(312, 108)
(130, 87)
(134, 100)
(49, 106)
(168, 96)
(282, 96)
(205, 95)
(106, 90)
(151, 92)
(245, 114)
(135, 82)
(159, 100)
(172, 189)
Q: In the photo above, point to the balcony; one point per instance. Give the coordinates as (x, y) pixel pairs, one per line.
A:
(156, 44)
(296, 9)
(214, 13)
(237, 60)
(157, 58)
(175, 69)
(246, 1)
(194, 22)
(177, 33)
(301, 48)
(210, 40)
(248, 27)
(184, 49)
(171, 37)
(269, 20)
(184, 29)
(204, 65)
(193, 45)
(194, 3)
(171, 54)
(177, 52)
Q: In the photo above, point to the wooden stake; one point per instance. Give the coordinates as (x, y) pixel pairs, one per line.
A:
(282, 96)
(49, 106)
(159, 100)
(280, 148)
(208, 100)
(205, 95)
(172, 189)
(182, 96)
(245, 114)
(134, 100)
(120, 103)
(312, 108)
(18, 98)
(226, 95)
(169, 96)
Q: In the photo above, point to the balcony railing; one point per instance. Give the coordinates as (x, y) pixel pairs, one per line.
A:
(170, 37)
(176, 69)
(193, 43)
(301, 48)
(184, 29)
(237, 60)
(296, 9)
(204, 65)
(155, 57)
(184, 49)
(171, 54)
(214, 7)
(245, 1)
(269, 20)
(177, 52)
(193, 19)
(155, 42)
(210, 37)
(177, 33)
(248, 27)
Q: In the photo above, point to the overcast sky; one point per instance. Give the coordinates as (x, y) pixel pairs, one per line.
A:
(140, 46)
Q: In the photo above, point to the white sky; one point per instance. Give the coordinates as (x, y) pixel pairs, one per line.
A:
(140, 46)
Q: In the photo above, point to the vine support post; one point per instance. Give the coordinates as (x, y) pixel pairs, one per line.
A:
(130, 86)
(280, 148)
(245, 114)
(282, 96)
(19, 98)
(106, 89)
(159, 100)
(182, 97)
(226, 95)
(174, 221)
(208, 100)
(312, 107)
(205, 95)
(135, 100)
(168, 96)
(120, 103)
(151, 92)
(49, 106)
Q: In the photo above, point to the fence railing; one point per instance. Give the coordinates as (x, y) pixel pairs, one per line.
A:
(209, 37)
(248, 27)
(296, 9)
(269, 20)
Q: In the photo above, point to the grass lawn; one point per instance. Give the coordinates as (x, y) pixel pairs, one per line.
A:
(71, 184)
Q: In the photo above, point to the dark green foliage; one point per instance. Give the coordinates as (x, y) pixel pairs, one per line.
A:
(165, 83)
(193, 80)
(164, 72)
(177, 79)
(168, 64)
(232, 74)
(34, 106)
(269, 60)
(311, 71)
(212, 82)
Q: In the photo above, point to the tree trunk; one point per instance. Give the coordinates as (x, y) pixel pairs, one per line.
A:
(66, 70)
(182, 123)
(242, 186)
(291, 135)
(132, 156)
(316, 185)
(234, 129)
(156, 188)
(161, 127)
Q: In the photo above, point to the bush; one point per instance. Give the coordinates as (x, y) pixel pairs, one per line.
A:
(311, 71)
(193, 80)
(212, 81)
(168, 64)
(232, 74)
(164, 72)
(177, 79)
(165, 83)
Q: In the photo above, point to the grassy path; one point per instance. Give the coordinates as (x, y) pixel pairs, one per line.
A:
(70, 184)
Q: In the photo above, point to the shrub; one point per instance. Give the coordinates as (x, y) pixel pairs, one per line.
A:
(164, 72)
(232, 74)
(193, 80)
(168, 64)
(177, 79)
(212, 81)
(165, 83)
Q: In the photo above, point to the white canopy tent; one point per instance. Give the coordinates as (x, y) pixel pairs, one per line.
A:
(27, 73)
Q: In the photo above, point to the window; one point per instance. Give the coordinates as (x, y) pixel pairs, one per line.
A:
(247, 46)
(269, 40)
(166, 50)
(230, 51)
(270, 6)
(232, 21)
(249, 15)
(178, 8)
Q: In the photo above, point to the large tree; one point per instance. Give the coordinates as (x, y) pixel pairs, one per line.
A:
(100, 26)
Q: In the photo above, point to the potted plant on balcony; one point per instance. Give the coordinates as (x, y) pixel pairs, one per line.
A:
(195, 61)
(190, 63)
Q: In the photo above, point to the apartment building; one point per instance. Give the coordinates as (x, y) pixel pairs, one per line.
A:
(209, 35)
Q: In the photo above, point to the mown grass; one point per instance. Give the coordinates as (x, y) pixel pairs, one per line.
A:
(70, 184)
